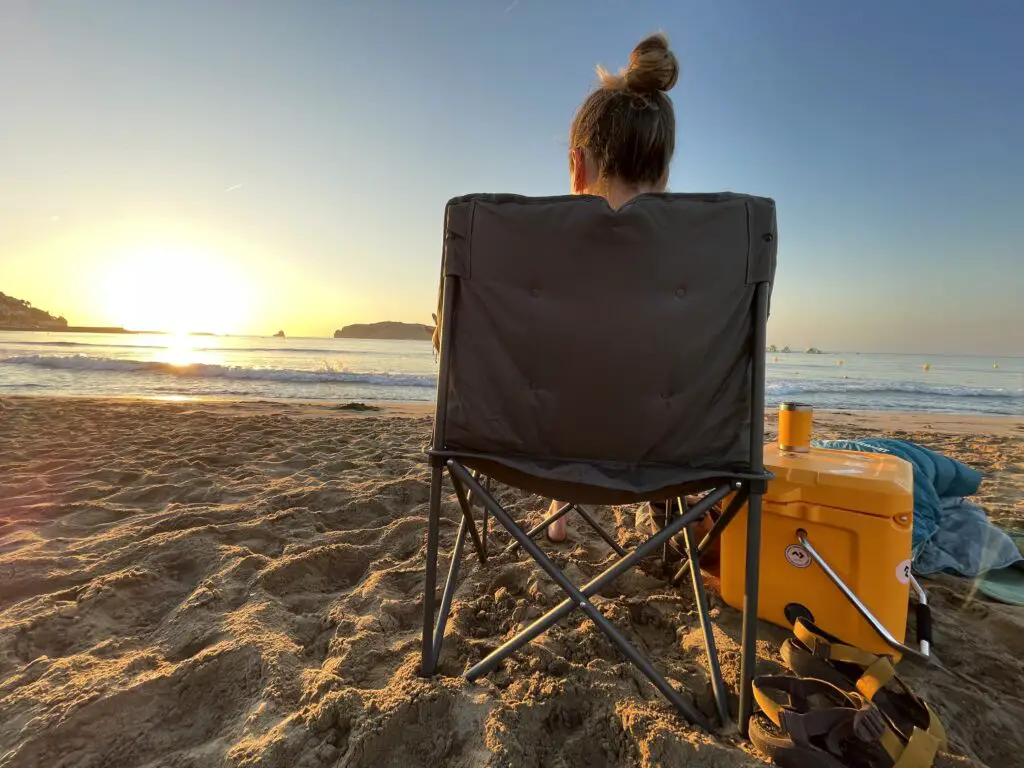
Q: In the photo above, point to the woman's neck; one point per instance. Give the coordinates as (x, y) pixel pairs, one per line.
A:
(618, 193)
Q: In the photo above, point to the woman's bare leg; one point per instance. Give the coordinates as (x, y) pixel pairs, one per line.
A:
(557, 530)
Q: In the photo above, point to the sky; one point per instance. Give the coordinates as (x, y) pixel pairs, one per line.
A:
(251, 166)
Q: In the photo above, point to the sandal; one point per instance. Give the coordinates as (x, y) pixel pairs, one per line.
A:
(815, 653)
(821, 726)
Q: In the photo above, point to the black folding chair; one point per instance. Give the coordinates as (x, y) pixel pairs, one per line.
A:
(605, 357)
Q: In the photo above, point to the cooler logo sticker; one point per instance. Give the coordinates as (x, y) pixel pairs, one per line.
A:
(797, 556)
(903, 572)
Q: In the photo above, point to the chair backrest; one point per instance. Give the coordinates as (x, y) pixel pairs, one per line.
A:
(580, 334)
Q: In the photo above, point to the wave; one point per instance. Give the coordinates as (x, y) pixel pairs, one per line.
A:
(777, 388)
(278, 350)
(209, 371)
(78, 344)
(790, 387)
(36, 385)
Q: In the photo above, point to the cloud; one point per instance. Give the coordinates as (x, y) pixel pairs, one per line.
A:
(512, 5)
(233, 187)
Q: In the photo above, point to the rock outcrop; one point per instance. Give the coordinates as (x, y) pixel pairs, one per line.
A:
(386, 330)
(20, 314)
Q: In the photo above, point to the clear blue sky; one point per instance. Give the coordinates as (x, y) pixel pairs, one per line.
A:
(305, 150)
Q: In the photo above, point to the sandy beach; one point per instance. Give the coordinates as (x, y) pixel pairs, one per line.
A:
(240, 584)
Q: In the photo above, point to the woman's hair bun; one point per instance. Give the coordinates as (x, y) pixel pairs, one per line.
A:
(652, 67)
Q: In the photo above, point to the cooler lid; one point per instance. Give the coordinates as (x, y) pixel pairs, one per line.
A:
(870, 483)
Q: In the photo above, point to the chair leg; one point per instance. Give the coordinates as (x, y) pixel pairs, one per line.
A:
(484, 524)
(716, 530)
(714, 668)
(486, 515)
(748, 650)
(670, 509)
(608, 539)
(430, 581)
(449, 590)
(467, 515)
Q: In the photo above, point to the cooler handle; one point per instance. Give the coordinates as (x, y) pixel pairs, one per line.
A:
(923, 612)
(924, 643)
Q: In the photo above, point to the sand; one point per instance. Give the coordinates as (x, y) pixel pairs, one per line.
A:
(189, 584)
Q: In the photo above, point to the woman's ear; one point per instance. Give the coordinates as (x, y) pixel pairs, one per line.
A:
(578, 171)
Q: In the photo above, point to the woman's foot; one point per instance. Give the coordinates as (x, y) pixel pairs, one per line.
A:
(557, 530)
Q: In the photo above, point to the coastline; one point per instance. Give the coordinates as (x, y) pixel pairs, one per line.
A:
(830, 421)
(240, 582)
(100, 329)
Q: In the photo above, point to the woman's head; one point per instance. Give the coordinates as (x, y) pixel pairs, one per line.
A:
(624, 133)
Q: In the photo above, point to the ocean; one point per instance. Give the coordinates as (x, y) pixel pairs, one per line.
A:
(346, 370)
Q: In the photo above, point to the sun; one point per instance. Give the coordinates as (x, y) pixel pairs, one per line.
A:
(176, 290)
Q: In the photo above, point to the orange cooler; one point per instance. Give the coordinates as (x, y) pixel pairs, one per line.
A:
(857, 512)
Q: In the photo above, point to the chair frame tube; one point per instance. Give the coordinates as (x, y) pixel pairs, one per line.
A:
(748, 633)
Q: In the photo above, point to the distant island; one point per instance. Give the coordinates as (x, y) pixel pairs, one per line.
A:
(20, 315)
(386, 330)
(786, 350)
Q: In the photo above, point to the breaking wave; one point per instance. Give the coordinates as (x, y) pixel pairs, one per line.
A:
(789, 388)
(209, 371)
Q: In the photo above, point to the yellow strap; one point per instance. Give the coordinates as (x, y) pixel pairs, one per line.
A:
(936, 729)
(768, 705)
(892, 744)
(875, 677)
(852, 655)
(919, 752)
(804, 635)
(836, 651)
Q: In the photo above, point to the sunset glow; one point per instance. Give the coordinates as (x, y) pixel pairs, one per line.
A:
(178, 290)
(183, 350)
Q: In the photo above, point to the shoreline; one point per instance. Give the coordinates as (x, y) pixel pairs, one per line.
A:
(883, 420)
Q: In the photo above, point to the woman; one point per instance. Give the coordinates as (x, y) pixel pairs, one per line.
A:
(622, 140)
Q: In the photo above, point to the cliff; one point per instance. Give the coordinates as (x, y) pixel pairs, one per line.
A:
(20, 314)
(386, 330)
